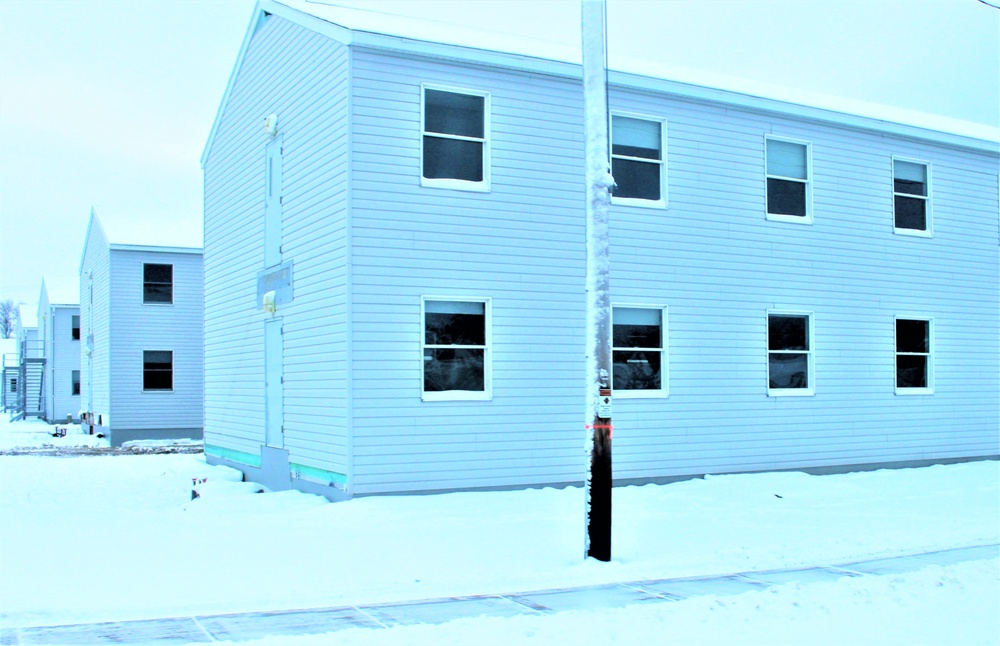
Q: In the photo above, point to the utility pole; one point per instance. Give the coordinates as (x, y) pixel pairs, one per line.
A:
(599, 184)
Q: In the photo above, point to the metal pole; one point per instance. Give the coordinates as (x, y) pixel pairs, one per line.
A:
(599, 184)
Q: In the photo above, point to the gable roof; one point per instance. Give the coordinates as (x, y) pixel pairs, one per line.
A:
(117, 246)
(423, 37)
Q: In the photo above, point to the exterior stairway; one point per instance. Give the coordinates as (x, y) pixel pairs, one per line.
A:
(30, 390)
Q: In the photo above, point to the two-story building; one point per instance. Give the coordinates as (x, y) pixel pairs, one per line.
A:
(59, 339)
(395, 272)
(141, 317)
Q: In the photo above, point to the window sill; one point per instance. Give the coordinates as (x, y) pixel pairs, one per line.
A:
(633, 201)
(914, 391)
(159, 304)
(456, 395)
(791, 392)
(158, 390)
(455, 184)
(793, 219)
(916, 233)
(640, 394)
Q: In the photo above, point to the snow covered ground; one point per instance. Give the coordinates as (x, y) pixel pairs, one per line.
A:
(87, 539)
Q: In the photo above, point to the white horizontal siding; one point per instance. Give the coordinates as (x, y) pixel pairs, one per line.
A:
(95, 322)
(138, 327)
(64, 359)
(301, 77)
(712, 257)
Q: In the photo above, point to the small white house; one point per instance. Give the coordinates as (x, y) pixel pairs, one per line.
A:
(395, 270)
(141, 317)
(59, 338)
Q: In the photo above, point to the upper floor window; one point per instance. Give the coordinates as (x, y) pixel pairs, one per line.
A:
(913, 356)
(911, 197)
(637, 162)
(157, 283)
(455, 139)
(456, 349)
(789, 189)
(76, 327)
(157, 370)
(639, 351)
(789, 353)
(75, 376)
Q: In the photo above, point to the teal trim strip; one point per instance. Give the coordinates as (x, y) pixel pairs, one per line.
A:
(233, 455)
(320, 476)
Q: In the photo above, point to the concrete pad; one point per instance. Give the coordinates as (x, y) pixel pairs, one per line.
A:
(684, 588)
(438, 611)
(605, 596)
(295, 622)
(179, 630)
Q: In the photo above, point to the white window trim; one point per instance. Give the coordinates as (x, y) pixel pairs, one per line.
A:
(811, 352)
(634, 201)
(780, 217)
(448, 182)
(664, 391)
(142, 285)
(460, 395)
(142, 374)
(929, 390)
(928, 209)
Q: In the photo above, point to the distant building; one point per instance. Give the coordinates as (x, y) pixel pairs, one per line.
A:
(395, 271)
(23, 373)
(59, 340)
(141, 310)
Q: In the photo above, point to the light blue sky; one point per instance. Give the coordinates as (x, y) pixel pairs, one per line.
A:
(108, 104)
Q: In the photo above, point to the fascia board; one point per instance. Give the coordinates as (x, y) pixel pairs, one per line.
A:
(762, 104)
(155, 249)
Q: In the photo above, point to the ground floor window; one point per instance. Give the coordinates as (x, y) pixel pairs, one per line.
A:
(157, 370)
(76, 382)
(789, 353)
(638, 353)
(456, 349)
(913, 356)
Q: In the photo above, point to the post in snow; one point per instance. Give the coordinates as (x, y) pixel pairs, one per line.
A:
(597, 489)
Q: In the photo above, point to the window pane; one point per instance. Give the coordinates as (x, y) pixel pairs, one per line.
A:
(158, 273)
(636, 370)
(453, 114)
(785, 197)
(453, 158)
(912, 336)
(157, 359)
(908, 174)
(76, 327)
(787, 332)
(153, 293)
(636, 328)
(444, 328)
(911, 213)
(786, 159)
(910, 188)
(635, 138)
(76, 382)
(640, 180)
(788, 370)
(157, 380)
(911, 371)
(446, 369)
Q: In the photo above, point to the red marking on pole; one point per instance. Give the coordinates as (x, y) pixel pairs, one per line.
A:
(600, 426)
